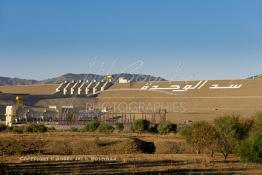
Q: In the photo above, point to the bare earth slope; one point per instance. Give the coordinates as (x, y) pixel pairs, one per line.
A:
(43, 89)
(208, 100)
(191, 100)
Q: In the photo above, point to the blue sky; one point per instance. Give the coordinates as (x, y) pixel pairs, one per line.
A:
(176, 39)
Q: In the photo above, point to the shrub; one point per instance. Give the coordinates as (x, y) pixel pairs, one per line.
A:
(105, 128)
(91, 126)
(166, 127)
(39, 128)
(186, 132)
(120, 126)
(74, 129)
(3, 127)
(153, 129)
(141, 126)
(35, 128)
(251, 149)
(17, 129)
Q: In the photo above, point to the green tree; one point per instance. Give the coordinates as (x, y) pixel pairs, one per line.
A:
(229, 135)
(201, 135)
(251, 149)
(245, 127)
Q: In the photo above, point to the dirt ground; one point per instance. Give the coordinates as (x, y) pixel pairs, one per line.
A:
(115, 153)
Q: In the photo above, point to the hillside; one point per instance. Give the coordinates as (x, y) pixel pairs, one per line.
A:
(256, 77)
(70, 77)
(15, 81)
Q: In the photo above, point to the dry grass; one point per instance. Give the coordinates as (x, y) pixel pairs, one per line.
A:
(170, 155)
(72, 144)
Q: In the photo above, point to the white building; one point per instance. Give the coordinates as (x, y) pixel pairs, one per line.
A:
(122, 80)
(10, 115)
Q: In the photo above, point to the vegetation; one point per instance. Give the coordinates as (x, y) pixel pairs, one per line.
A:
(32, 128)
(229, 135)
(141, 126)
(257, 122)
(3, 127)
(166, 127)
(105, 128)
(243, 136)
(35, 128)
(251, 149)
(120, 126)
(225, 136)
(91, 126)
(244, 128)
(201, 135)
(17, 129)
(153, 129)
(74, 129)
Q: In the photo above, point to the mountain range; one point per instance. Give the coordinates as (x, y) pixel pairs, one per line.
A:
(256, 77)
(75, 77)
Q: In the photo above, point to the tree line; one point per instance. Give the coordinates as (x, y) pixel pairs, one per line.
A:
(227, 135)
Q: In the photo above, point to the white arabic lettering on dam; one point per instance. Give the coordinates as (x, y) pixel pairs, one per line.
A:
(187, 87)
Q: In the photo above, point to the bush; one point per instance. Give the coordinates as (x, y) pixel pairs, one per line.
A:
(186, 132)
(120, 126)
(17, 129)
(91, 126)
(32, 128)
(141, 126)
(74, 129)
(106, 128)
(3, 127)
(251, 149)
(166, 127)
(153, 129)
(35, 128)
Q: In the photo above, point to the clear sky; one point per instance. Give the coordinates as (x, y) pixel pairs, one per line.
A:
(175, 39)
